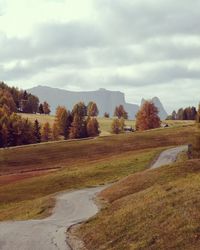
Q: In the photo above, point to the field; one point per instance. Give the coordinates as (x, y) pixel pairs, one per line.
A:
(104, 123)
(30, 175)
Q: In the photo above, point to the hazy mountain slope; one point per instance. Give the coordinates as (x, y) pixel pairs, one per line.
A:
(105, 99)
(162, 112)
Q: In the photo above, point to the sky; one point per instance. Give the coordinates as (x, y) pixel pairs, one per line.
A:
(144, 48)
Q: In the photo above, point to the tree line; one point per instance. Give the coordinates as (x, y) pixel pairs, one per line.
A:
(189, 113)
(21, 101)
(146, 118)
(79, 123)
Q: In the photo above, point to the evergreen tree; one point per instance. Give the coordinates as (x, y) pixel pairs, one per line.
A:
(46, 108)
(198, 117)
(41, 110)
(37, 134)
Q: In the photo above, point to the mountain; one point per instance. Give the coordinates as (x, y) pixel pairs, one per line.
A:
(162, 112)
(106, 100)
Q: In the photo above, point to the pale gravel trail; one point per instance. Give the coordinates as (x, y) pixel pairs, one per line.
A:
(71, 208)
(169, 156)
(50, 233)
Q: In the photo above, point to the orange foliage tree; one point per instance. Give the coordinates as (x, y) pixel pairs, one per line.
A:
(147, 117)
(92, 127)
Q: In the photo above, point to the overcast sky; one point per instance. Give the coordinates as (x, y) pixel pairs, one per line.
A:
(143, 48)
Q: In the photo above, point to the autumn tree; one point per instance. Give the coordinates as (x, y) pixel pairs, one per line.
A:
(120, 112)
(116, 126)
(92, 109)
(61, 118)
(122, 124)
(188, 113)
(78, 128)
(46, 132)
(92, 127)
(55, 132)
(6, 99)
(64, 120)
(46, 108)
(18, 100)
(79, 109)
(147, 117)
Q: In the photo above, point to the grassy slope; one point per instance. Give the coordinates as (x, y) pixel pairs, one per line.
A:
(65, 154)
(17, 198)
(79, 163)
(154, 209)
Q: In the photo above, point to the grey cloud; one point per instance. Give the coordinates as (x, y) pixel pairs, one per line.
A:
(135, 20)
(69, 35)
(157, 76)
(127, 33)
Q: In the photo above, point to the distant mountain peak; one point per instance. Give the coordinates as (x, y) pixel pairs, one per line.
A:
(162, 112)
(106, 100)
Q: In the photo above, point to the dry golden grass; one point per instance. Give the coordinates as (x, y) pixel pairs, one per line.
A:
(104, 123)
(26, 198)
(75, 164)
(67, 153)
(155, 209)
(41, 118)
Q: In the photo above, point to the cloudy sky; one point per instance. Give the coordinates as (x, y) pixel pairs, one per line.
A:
(143, 48)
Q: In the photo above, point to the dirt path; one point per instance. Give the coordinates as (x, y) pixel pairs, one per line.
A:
(169, 156)
(71, 208)
(50, 233)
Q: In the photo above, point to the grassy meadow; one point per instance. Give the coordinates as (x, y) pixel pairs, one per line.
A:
(30, 175)
(104, 123)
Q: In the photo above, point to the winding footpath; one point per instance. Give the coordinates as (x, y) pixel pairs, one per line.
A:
(71, 208)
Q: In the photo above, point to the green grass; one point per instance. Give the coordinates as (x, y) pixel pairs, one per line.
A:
(154, 209)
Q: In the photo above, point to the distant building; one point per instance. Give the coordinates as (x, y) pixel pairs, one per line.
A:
(128, 129)
(164, 125)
